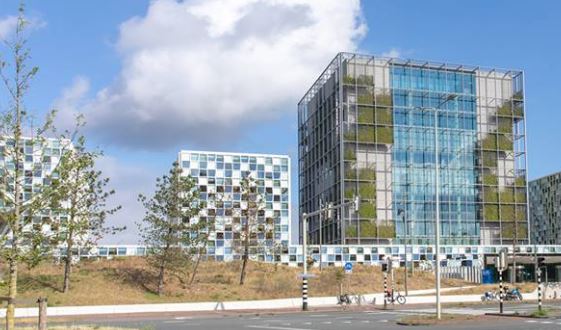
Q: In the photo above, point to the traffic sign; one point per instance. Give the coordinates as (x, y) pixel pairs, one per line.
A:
(348, 267)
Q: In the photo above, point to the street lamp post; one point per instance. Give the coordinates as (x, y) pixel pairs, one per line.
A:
(305, 216)
(402, 212)
(437, 220)
(320, 234)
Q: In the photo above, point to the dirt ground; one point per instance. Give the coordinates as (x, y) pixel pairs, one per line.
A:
(131, 281)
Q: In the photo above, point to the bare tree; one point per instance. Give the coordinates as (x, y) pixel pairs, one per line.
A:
(170, 227)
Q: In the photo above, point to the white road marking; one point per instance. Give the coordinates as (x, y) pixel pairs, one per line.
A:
(547, 322)
(347, 322)
(319, 315)
(273, 328)
(383, 321)
(531, 321)
(366, 321)
(328, 322)
(183, 318)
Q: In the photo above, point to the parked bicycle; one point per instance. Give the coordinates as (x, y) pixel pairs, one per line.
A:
(391, 297)
(514, 294)
(490, 296)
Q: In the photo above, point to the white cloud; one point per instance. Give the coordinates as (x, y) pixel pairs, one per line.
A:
(393, 53)
(192, 70)
(70, 100)
(7, 26)
(128, 179)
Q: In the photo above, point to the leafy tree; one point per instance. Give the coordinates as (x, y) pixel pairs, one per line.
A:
(252, 206)
(23, 205)
(170, 228)
(79, 194)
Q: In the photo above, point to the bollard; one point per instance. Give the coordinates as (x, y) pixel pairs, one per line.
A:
(385, 290)
(305, 294)
(539, 289)
(42, 325)
(500, 291)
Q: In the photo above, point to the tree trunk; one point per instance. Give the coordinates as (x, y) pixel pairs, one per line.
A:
(161, 280)
(67, 267)
(245, 253)
(12, 292)
(195, 269)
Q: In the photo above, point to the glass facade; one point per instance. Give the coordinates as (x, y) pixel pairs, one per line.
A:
(545, 209)
(369, 127)
(40, 158)
(218, 176)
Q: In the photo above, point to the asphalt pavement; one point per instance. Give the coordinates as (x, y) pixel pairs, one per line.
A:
(328, 320)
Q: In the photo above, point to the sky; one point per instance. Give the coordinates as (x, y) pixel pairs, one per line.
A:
(155, 77)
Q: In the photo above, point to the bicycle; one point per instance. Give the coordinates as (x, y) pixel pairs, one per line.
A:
(392, 298)
(344, 300)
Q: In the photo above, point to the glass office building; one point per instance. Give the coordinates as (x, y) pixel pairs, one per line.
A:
(545, 209)
(218, 176)
(375, 127)
(40, 159)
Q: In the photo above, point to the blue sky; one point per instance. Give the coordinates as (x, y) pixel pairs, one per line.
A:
(144, 109)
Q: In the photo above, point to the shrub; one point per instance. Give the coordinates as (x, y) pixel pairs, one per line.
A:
(386, 231)
(367, 210)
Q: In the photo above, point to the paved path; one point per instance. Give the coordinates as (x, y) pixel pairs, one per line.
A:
(320, 320)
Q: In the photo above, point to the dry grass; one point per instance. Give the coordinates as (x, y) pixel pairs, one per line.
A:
(131, 281)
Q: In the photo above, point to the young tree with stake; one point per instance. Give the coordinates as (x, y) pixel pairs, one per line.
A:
(252, 206)
(170, 228)
(23, 238)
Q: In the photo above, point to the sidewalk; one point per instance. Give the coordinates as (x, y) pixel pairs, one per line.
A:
(415, 297)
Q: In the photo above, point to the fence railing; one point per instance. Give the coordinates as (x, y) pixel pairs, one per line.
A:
(466, 273)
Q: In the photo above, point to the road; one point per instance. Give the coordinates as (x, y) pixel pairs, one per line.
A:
(330, 320)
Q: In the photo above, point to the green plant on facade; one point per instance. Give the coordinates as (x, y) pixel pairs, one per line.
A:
(350, 154)
(490, 159)
(507, 195)
(520, 181)
(365, 115)
(367, 210)
(504, 143)
(490, 195)
(384, 116)
(349, 135)
(351, 231)
(367, 190)
(491, 212)
(350, 173)
(367, 174)
(365, 79)
(368, 229)
(518, 95)
(384, 100)
(505, 125)
(350, 193)
(349, 80)
(490, 180)
(386, 231)
(508, 232)
(520, 213)
(384, 134)
(366, 134)
(507, 212)
(489, 142)
(365, 97)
